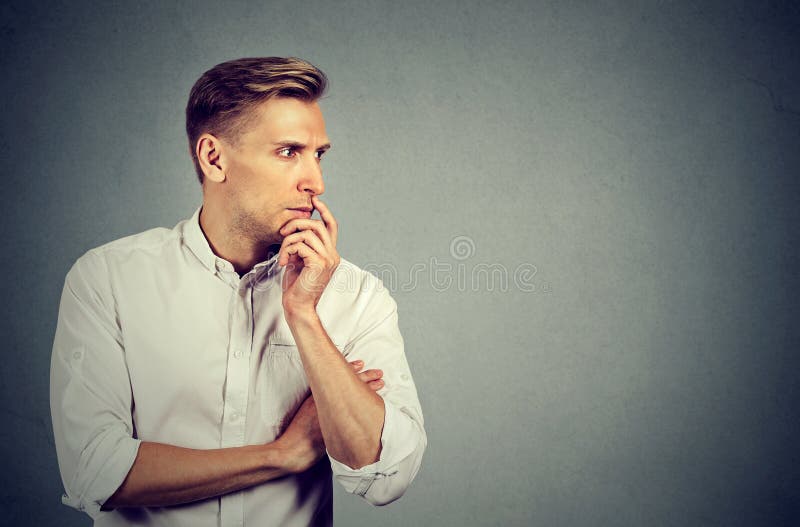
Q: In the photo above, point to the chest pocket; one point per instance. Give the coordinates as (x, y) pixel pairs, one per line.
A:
(286, 386)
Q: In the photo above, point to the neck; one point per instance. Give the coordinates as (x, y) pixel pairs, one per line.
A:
(228, 242)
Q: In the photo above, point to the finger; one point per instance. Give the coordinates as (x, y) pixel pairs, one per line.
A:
(308, 237)
(306, 253)
(370, 375)
(294, 262)
(314, 226)
(357, 365)
(284, 257)
(376, 385)
(309, 231)
(299, 224)
(326, 215)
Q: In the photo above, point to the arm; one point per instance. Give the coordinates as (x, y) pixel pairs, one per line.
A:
(169, 475)
(375, 444)
(101, 462)
(350, 414)
(403, 439)
(382, 477)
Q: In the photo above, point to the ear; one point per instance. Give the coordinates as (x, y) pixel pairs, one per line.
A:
(209, 153)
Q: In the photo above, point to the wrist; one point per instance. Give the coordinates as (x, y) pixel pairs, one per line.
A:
(292, 459)
(300, 315)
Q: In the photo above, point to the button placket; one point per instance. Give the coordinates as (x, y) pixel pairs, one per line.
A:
(236, 392)
(237, 374)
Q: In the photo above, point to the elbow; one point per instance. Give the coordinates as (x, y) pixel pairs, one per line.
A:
(388, 487)
(391, 479)
(93, 477)
(121, 498)
(384, 490)
(376, 488)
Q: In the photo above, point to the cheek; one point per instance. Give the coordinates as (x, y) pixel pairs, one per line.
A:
(263, 184)
(248, 184)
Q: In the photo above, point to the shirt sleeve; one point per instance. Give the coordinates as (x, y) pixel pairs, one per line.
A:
(403, 438)
(90, 391)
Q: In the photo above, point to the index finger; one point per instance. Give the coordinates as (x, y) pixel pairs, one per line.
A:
(327, 218)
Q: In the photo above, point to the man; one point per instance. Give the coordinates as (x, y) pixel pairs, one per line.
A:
(183, 358)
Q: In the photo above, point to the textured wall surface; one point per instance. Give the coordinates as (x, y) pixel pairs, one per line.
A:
(585, 211)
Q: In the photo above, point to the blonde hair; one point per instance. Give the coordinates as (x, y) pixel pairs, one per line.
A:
(220, 100)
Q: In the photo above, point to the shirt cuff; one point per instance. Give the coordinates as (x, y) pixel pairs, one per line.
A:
(398, 440)
(109, 478)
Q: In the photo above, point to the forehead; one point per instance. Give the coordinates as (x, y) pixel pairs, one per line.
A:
(284, 118)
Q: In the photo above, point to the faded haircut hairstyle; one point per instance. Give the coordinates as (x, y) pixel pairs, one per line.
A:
(221, 99)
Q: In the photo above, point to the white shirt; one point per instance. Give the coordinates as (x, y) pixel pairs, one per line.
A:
(158, 339)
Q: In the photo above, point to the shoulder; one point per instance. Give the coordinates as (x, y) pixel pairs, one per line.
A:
(355, 303)
(354, 298)
(351, 281)
(348, 272)
(151, 240)
(148, 244)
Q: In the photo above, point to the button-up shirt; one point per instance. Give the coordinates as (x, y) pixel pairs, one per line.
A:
(158, 339)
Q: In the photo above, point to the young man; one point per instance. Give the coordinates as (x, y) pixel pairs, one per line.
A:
(183, 358)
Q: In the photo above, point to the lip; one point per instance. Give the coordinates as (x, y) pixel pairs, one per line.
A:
(302, 213)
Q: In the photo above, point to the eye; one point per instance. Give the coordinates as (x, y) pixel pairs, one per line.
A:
(286, 152)
(319, 154)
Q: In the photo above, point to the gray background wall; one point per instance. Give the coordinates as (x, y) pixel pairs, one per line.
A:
(641, 157)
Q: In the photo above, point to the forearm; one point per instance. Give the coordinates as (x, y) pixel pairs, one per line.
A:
(169, 475)
(350, 414)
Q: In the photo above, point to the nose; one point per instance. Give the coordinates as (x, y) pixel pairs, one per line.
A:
(311, 181)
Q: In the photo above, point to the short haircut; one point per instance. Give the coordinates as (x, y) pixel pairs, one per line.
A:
(220, 100)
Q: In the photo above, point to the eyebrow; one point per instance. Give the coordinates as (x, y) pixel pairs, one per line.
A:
(299, 146)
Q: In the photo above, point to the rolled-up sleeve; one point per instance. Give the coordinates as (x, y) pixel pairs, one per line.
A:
(403, 438)
(90, 392)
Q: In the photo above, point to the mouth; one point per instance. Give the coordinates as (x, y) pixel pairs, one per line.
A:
(303, 212)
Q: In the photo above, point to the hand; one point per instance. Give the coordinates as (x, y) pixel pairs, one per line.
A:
(303, 438)
(309, 253)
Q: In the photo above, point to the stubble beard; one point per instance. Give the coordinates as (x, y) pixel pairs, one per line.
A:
(252, 229)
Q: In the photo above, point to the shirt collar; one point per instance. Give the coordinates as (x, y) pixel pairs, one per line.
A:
(197, 242)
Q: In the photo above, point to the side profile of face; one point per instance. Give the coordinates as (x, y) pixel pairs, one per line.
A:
(274, 167)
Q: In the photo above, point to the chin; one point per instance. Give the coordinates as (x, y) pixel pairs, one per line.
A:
(272, 239)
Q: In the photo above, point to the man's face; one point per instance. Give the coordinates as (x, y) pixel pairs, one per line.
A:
(275, 167)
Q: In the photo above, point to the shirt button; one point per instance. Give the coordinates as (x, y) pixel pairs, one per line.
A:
(76, 355)
(237, 354)
(234, 416)
(404, 377)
